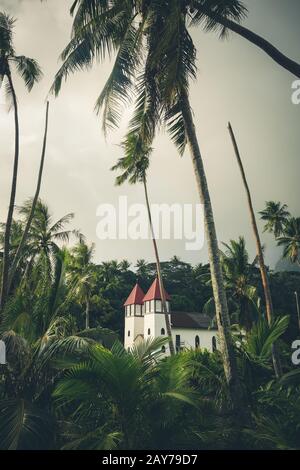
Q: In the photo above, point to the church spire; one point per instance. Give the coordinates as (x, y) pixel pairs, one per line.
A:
(135, 297)
(154, 292)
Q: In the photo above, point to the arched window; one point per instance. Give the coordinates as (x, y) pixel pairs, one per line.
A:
(197, 342)
(128, 332)
(214, 344)
(163, 349)
(162, 331)
(149, 331)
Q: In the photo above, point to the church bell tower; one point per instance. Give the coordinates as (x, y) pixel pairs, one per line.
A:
(134, 317)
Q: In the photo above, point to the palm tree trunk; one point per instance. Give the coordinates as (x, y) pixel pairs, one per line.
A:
(298, 309)
(33, 206)
(6, 250)
(159, 275)
(222, 315)
(258, 41)
(260, 255)
(87, 314)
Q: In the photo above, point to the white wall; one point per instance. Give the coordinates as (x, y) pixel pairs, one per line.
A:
(136, 327)
(187, 338)
(155, 322)
(188, 335)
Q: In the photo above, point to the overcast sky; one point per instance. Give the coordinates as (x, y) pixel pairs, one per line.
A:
(236, 82)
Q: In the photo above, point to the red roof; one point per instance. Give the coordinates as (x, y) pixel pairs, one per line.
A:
(154, 292)
(135, 297)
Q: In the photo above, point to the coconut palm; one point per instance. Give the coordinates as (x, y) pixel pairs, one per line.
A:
(30, 71)
(38, 330)
(82, 276)
(108, 272)
(210, 15)
(26, 230)
(259, 248)
(240, 285)
(290, 240)
(158, 72)
(124, 266)
(116, 394)
(134, 166)
(16, 234)
(275, 215)
(45, 235)
(238, 279)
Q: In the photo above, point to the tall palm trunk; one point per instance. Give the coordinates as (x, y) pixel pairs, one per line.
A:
(159, 275)
(33, 206)
(7, 235)
(222, 315)
(260, 255)
(258, 41)
(298, 309)
(87, 314)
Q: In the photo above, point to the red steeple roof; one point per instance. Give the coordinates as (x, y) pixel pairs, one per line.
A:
(154, 292)
(135, 297)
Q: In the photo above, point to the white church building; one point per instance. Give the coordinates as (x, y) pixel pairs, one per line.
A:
(145, 319)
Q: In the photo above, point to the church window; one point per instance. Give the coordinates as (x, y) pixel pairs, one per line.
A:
(128, 332)
(162, 331)
(197, 342)
(149, 331)
(163, 349)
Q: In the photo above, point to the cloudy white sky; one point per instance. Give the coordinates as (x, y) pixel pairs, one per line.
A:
(236, 82)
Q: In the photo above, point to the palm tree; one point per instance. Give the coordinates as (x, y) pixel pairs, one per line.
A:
(82, 276)
(237, 276)
(38, 330)
(209, 14)
(108, 272)
(134, 168)
(30, 71)
(290, 240)
(259, 249)
(45, 235)
(33, 207)
(142, 268)
(275, 215)
(158, 72)
(124, 266)
(117, 397)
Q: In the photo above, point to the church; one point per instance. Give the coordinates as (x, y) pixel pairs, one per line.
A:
(145, 319)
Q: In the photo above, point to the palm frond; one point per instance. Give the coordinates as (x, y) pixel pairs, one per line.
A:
(120, 82)
(263, 336)
(29, 70)
(149, 350)
(6, 33)
(207, 12)
(59, 225)
(24, 426)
